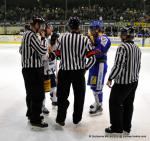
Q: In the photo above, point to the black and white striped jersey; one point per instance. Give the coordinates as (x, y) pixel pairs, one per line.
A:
(31, 50)
(127, 64)
(74, 50)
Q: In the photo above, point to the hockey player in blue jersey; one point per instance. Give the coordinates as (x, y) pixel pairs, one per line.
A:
(98, 71)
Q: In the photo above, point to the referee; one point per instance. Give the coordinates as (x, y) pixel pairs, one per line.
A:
(74, 49)
(33, 72)
(125, 74)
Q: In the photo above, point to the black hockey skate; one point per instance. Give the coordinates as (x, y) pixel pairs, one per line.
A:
(40, 125)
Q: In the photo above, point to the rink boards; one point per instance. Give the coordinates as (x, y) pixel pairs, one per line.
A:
(16, 39)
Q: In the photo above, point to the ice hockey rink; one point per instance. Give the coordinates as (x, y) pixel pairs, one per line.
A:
(15, 127)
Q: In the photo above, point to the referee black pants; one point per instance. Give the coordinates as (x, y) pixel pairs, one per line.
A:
(121, 106)
(34, 79)
(65, 79)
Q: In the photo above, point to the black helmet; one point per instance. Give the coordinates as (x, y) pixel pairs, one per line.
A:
(128, 30)
(38, 19)
(54, 37)
(74, 22)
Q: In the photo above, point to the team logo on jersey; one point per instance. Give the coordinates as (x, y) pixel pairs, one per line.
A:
(104, 41)
(93, 80)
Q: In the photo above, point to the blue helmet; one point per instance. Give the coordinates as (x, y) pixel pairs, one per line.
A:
(97, 24)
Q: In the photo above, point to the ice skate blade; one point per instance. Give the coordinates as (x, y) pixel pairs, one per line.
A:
(126, 133)
(96, 114)
(36, 128)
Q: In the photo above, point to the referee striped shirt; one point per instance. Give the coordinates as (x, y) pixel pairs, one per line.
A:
(74, 50)
(32, 50)
(127, 64)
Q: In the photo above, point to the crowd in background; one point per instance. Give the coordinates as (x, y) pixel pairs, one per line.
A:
(17, 14)
(112, 30)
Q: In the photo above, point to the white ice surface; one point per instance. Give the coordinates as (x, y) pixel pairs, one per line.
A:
(14, 125)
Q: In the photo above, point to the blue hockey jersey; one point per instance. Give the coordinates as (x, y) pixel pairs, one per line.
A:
(101, 43)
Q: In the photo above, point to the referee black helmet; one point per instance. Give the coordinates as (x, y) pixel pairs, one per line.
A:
(128, 30)
(38, 19)
(74, 22)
